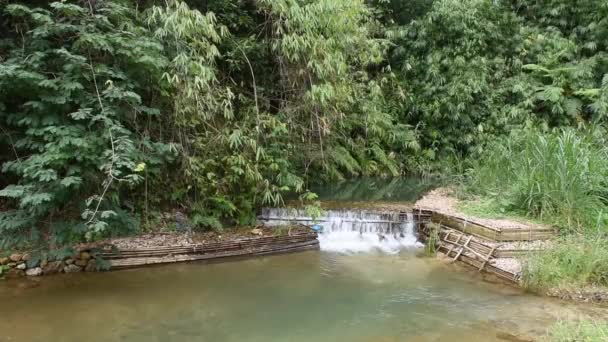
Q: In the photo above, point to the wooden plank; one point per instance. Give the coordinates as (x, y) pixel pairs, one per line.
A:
(133, 262)
(492, 233)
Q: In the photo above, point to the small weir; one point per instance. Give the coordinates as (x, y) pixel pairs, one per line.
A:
(352, 231)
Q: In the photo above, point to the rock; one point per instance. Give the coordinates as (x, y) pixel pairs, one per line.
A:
(182, 224)
(44, 263)
(69, 261)
(34, 272)
(21, 266)
(72, 269)
(257, 231)
(86, 256)
(4, 261)
(53, 267)
(12, 264)
(80, 262)
(15, 257)
(91, 266)
(26, 257)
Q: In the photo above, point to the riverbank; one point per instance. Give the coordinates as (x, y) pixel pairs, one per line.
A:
(513, 257)
(159, 248)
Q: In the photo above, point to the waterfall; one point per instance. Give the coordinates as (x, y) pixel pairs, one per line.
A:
(352, 231)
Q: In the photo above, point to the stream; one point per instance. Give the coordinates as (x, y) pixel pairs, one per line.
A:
(309, 296)
(368, 282)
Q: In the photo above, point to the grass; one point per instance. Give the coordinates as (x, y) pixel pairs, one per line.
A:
(573, 262)
(581, 331)
(559, 178)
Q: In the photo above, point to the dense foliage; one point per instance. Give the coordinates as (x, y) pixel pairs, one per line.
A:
(114, 111)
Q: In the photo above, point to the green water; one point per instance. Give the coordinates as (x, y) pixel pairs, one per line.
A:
(311, 296)
(371, 189)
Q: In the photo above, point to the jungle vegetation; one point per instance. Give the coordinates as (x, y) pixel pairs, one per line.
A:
(115, 111)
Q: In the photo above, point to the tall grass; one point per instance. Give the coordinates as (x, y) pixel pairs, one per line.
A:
(574, 262)
(559, 177)
(582, 331)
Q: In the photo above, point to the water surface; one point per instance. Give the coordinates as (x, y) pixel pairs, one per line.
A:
(310, 296)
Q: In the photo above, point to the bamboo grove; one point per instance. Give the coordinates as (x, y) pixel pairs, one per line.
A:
(114, 111)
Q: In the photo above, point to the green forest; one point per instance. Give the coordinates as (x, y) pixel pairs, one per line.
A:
(114, 111)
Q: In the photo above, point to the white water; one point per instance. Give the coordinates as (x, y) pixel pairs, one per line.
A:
(352, 231)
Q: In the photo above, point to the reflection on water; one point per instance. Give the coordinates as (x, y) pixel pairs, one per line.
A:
(402, 189)
(311, 296)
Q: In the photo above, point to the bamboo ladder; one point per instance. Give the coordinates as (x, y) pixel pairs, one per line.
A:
(465, 246)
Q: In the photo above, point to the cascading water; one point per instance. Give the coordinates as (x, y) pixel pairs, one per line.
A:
(352, 231)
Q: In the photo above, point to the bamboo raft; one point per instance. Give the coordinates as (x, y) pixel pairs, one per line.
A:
(477, 229)
(244, 247)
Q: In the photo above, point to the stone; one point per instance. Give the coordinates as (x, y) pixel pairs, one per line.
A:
(12, 264)
(69, 261)
(72, 269)
(91, 266)
(257, 231)
(80, 262)
(26, 257)
(21, 266)
(4, 261)
(86, 256)
(16, 257)
(43, 263)
(34, 272)
(53, 267)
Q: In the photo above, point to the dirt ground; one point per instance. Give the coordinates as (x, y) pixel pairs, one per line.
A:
(442, 201)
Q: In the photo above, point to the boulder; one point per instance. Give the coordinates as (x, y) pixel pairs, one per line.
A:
(53, 267)
(15, 257)
(91, 266)
(80, 262)
(34, 272)
(26, 257)
(4, 261)
(72, 269)
(69, 261)
(86, 256)
(21, 266)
